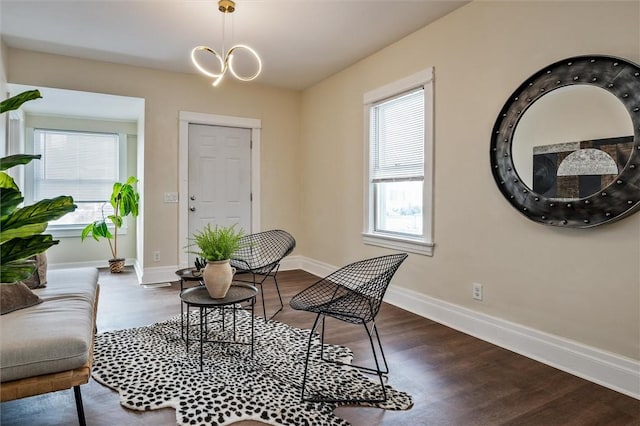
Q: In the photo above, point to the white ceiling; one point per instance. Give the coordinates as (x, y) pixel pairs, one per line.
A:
(300, 42)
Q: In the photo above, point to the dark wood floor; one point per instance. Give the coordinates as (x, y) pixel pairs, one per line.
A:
(454, 379)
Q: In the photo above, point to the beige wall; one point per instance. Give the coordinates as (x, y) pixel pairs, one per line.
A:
(166, 94)
(3, 68)
(3, 95)
(583, 285)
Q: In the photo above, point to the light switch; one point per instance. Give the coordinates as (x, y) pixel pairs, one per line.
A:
(170, 197)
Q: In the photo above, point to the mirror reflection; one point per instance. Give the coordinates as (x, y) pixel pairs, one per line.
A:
(572, 142)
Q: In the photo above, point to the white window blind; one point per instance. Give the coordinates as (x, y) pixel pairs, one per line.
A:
(397, 138)
(83, 165)
(398, 194)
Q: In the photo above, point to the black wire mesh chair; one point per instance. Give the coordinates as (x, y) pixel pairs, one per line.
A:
(352, 294)
(260, 255)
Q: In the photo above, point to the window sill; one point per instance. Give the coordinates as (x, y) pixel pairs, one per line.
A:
(74, 231)
(396, 243)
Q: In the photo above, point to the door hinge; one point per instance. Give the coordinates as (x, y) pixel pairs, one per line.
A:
(251, 196)
(251, 144)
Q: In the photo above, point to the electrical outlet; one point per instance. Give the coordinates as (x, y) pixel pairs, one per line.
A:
(477, 291)
(156, 256)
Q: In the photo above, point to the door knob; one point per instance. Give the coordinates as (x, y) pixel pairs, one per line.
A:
(192, 208)
(192, 198)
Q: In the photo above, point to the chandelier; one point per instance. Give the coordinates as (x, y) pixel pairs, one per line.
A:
(226, 61)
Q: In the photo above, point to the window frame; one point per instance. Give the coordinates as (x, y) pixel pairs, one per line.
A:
(422, 244)
(72, 230)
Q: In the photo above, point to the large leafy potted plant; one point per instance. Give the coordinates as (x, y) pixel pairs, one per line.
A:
(217, 245)
(21, 228)
(125, 200)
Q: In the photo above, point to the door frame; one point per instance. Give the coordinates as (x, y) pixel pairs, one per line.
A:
(186, 118)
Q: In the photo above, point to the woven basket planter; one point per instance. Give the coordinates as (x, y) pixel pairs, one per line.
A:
(116, 265)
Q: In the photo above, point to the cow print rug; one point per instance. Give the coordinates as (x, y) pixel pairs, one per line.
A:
(151, 369)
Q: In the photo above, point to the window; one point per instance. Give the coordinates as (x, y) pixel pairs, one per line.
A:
(399, 147)
(81, 164)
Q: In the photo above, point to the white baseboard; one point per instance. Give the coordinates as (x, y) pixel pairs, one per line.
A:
(613, 371)
(145, 276)
(88, 264)
(167, 273)
(313, 266)
(159, 274)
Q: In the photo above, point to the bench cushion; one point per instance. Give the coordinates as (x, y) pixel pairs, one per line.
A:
(55, 335)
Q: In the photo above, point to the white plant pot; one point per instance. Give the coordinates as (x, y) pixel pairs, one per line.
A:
(217, 277)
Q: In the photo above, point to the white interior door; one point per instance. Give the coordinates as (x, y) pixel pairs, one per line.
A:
(219, 172)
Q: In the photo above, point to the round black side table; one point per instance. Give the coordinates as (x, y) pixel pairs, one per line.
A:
(238, 293)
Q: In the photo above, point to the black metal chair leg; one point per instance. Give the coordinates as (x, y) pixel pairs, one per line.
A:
(264, 306)
(202, 334)
(79, 407)
(377, 371)
(306, 361)
(279, 295)
(375, 359)
(322, 341)
(384, 358)
(182, 319)
(363, 368)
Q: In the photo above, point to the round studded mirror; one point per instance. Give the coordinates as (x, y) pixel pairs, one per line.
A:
(565, 149)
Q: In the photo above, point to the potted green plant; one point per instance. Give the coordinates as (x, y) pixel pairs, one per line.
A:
(125, 201)
(217, 245)
(21, 228)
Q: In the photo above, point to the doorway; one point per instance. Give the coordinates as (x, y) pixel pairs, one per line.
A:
(192, 124)
(219, 177)
(74, 110)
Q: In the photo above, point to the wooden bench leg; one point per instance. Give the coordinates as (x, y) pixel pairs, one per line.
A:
(79, 407)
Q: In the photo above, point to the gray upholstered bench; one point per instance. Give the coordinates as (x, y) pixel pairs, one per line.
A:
(49, 346)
